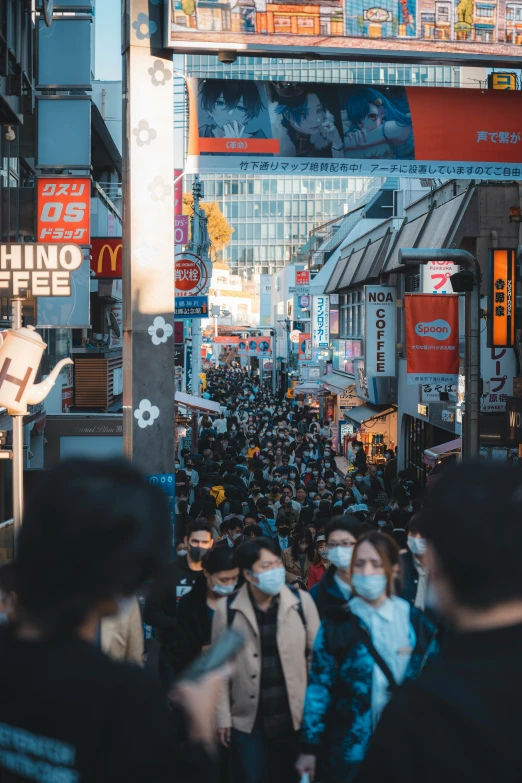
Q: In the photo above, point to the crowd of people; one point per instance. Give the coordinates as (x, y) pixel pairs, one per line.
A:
(382, 631)
(267, 522)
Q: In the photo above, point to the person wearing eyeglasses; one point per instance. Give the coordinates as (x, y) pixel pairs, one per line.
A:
(334, 589)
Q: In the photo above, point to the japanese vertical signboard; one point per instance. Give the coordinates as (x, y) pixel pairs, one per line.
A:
(501, 305)
(320, 321)
(498, 367)
(432, 338)
(436, 277)
(64, 210)
(379, 331)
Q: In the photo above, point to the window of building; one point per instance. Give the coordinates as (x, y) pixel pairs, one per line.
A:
(487, 11)
(351, 314)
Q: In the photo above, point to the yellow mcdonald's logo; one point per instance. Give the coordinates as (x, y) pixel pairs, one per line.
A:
(113, 255)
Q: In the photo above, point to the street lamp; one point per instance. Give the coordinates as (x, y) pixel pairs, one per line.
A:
(467, 282)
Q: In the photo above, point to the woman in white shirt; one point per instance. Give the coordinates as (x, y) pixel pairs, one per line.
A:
(361, 654)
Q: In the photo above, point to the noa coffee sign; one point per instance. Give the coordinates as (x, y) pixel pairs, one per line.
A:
(379, 331)
(42, 270)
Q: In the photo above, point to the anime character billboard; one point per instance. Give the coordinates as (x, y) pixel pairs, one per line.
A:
(357, 130)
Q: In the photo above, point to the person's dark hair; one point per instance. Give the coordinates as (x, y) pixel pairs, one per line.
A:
(253, 530)
(236, 507)
(197, 526)
(303, 535)
(387, 550)
(283, 519)
(92, 531)
(248, 553)
(231, 524)
(413, 524)
(232, 92)
(347, 522)
(474, 527)
(221, 558)
(208, 508)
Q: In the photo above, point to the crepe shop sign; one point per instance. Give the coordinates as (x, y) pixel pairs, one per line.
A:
(44, 270)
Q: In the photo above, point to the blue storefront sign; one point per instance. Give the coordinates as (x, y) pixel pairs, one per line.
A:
(191, 307)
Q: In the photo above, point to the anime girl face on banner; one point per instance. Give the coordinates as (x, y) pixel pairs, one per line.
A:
(377, 123)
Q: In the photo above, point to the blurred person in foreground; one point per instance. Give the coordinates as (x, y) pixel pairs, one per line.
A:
(460, 721)
(93, 532)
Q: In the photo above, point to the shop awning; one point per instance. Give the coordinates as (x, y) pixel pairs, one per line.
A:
(197, 403)
(336, 382)
(364, 412)
(432, 455)
(307, 387)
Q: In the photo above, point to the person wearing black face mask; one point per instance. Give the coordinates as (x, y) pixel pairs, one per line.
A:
(283, 539)
(161, 606)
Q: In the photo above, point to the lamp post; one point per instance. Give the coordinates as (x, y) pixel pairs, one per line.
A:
(467, 282)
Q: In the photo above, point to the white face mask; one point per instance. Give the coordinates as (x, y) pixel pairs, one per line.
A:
(270, 582)
(369, 587)
(341, 556)
(418, 546)
(222, 589)
(182, 552)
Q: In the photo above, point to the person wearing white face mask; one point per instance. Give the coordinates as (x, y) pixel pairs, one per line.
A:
(334, 589)
(413, 586)
(363, 652)
(196, 609)
(259, 716)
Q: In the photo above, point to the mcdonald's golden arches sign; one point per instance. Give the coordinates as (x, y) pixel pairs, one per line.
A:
(106, 256)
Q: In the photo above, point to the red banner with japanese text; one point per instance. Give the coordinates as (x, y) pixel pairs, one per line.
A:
(432, 338)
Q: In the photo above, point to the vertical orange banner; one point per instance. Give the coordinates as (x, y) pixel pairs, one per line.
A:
(501, 296)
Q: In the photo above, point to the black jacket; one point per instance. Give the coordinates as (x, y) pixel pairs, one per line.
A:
(194, 625)
(162, 603)
(70, 713)
(327, 594)
(460, 721)
(277, 546)
(408, 582)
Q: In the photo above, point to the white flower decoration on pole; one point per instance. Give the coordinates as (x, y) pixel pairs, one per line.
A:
(160, 331)
(146, 414)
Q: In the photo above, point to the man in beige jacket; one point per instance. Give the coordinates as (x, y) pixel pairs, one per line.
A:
(260, 715)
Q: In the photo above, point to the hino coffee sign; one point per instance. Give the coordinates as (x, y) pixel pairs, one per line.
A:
(379, 331)
(44, 270)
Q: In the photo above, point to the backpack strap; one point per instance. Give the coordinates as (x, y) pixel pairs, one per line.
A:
(364, 637)
(340, 644)
(300, 612)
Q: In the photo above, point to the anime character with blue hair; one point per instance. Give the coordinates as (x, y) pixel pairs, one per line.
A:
(378, 127)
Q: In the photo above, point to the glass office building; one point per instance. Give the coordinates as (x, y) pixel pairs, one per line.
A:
(272, 216)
